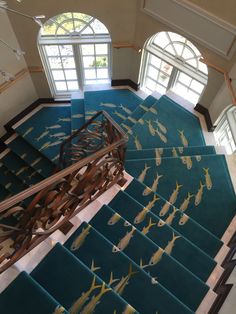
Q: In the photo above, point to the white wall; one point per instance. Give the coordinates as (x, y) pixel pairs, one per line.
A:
(22, 93)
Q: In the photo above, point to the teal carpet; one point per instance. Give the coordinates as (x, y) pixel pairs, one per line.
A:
(153, 248)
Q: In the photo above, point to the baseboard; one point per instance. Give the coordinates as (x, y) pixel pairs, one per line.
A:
(127, 82)
(22, 114)
(204, 111)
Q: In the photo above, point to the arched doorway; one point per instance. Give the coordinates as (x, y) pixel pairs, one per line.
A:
(170, 61)
(75, 49)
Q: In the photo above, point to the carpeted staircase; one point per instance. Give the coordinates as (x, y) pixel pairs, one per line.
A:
(154, 248)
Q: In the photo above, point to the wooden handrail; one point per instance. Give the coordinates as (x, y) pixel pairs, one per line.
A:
(18, 76)
(126, 45)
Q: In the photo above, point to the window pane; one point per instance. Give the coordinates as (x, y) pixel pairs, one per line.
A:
(178, 48)
(170, 49)
(66, 50)
(193, 97)
(61, 86)
(87, 49)
(78, 25)
(102, 61)
(102, 73)
(155, 61)
(180, 89)
(184, 78)
(90, 74)
(98, 27)
(163, 79)
(55, 63)
(198, 87)
(72, 85)
(150, 84)
(87, 31)
(161, 40)
(187, 53)
(152, 72)
(160, 89)
(89, 62)
(165, 67)
(192, 62)
(71, 74)
(52, 50)
(58, 75)
(101, 49)
(68, 62)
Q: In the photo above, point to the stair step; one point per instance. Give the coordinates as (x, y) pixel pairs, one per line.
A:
(214, 198)
(140, 250)
(191, 230)
(67, 279)
(196, 151)
(184, 129)
(185, 252)
(24, 296)
(77, 114)
(10, 182)
(30, 155)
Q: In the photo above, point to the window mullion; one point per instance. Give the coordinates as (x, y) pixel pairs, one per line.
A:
(79, 65)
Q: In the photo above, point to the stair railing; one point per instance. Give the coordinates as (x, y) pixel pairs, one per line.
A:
(91, 161)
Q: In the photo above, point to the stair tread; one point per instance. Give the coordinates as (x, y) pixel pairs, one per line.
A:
(97, 247)
(61, 271)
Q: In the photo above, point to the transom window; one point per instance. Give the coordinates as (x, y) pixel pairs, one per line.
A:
(76, 51)
(170, 61)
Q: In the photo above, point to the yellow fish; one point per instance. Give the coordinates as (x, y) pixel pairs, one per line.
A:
(44, 146)
(185, 203)
(158, 154)
(34, 174)
(129, 310)
(56, 157)
(108, 105)
(28, 131)
(77, 243)
(155, 182)
(151, 128)
(36, 161)
(147, 191)
(114, 219)
(54, 144)
(79, 115)
(141, 216)
(170, 245)
(162, 136)
(152, 202)
(141, 121)
(146, 229)
(132, 120)
(127, 110)
(183, 138)
(144, 107)
(137, 143)
(189, 163)
(90, 307)
(161, 223)
(171, 216)
(124, 242)
(161, 126)
(8, 185)
(174, 152)
(183, 220)
(127, 128)
(59, 310)
(21, 170)
(120, 115)
(64, 119)
(165, 208)
(156, 257)
(94, 268)
(56, 126)
(181, 150)
(119, 288)
(23, 156)
(208, 181)
(198, 196)
(153, 110)
(175, 193)
(198, 158)
(42, 136)
(143, 173)
(58, 134)
(184, 161)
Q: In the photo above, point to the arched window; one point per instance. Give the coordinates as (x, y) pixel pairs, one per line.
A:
(75, 51)
(170, 61)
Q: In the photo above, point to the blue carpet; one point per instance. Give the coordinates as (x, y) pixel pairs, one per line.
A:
(77, 114)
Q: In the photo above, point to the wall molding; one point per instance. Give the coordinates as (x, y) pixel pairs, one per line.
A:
(204, 111)
(22, 73)
(127, 82)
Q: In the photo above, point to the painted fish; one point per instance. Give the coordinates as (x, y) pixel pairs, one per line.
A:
(54, 144)
(127, 110)
(124, 281)
(183, 159)
(23, 156)
(185, 203)
(162, 136)
(127, 128)
(21, 170)
(94, 268)
(28, 131)
(141, 121)
(8, 185)
(161, 126)
(151, 128)
(36, 161)
(124, 242)
(175, 193)
(152, 202)
(183, 220)
(208, 181)
(147, 191)
(171, 216)
(161, 223)
(90, 307)
(144, 108)
(183, 138)
(181, 150)
(56, 126)
(91, 113)
(141, 216)
(165, 208)
(142, 175)
(153, 110)
(58, 134)
(42, 136)
(77, 116)
(155, 182)
(120, 115)
(198, 196)
(64, 119)
(45, 145)
(146, 229)
(129, 310)
(33, 174)
(156, 257)
(77, 243)
(59, 310)
(56, 157)
(198, 158)
(114, 219)
(127, 224)
(108, 105)
(132, 120)
(137, 143)
(170, 245)
(158, 156)
(189, 162)
(174, 152)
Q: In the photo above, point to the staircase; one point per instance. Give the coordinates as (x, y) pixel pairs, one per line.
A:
(156, 247)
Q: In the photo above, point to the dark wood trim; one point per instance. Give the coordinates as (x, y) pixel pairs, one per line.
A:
(222, 288)
(204, 111)
(127, 82)
(34, 105)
